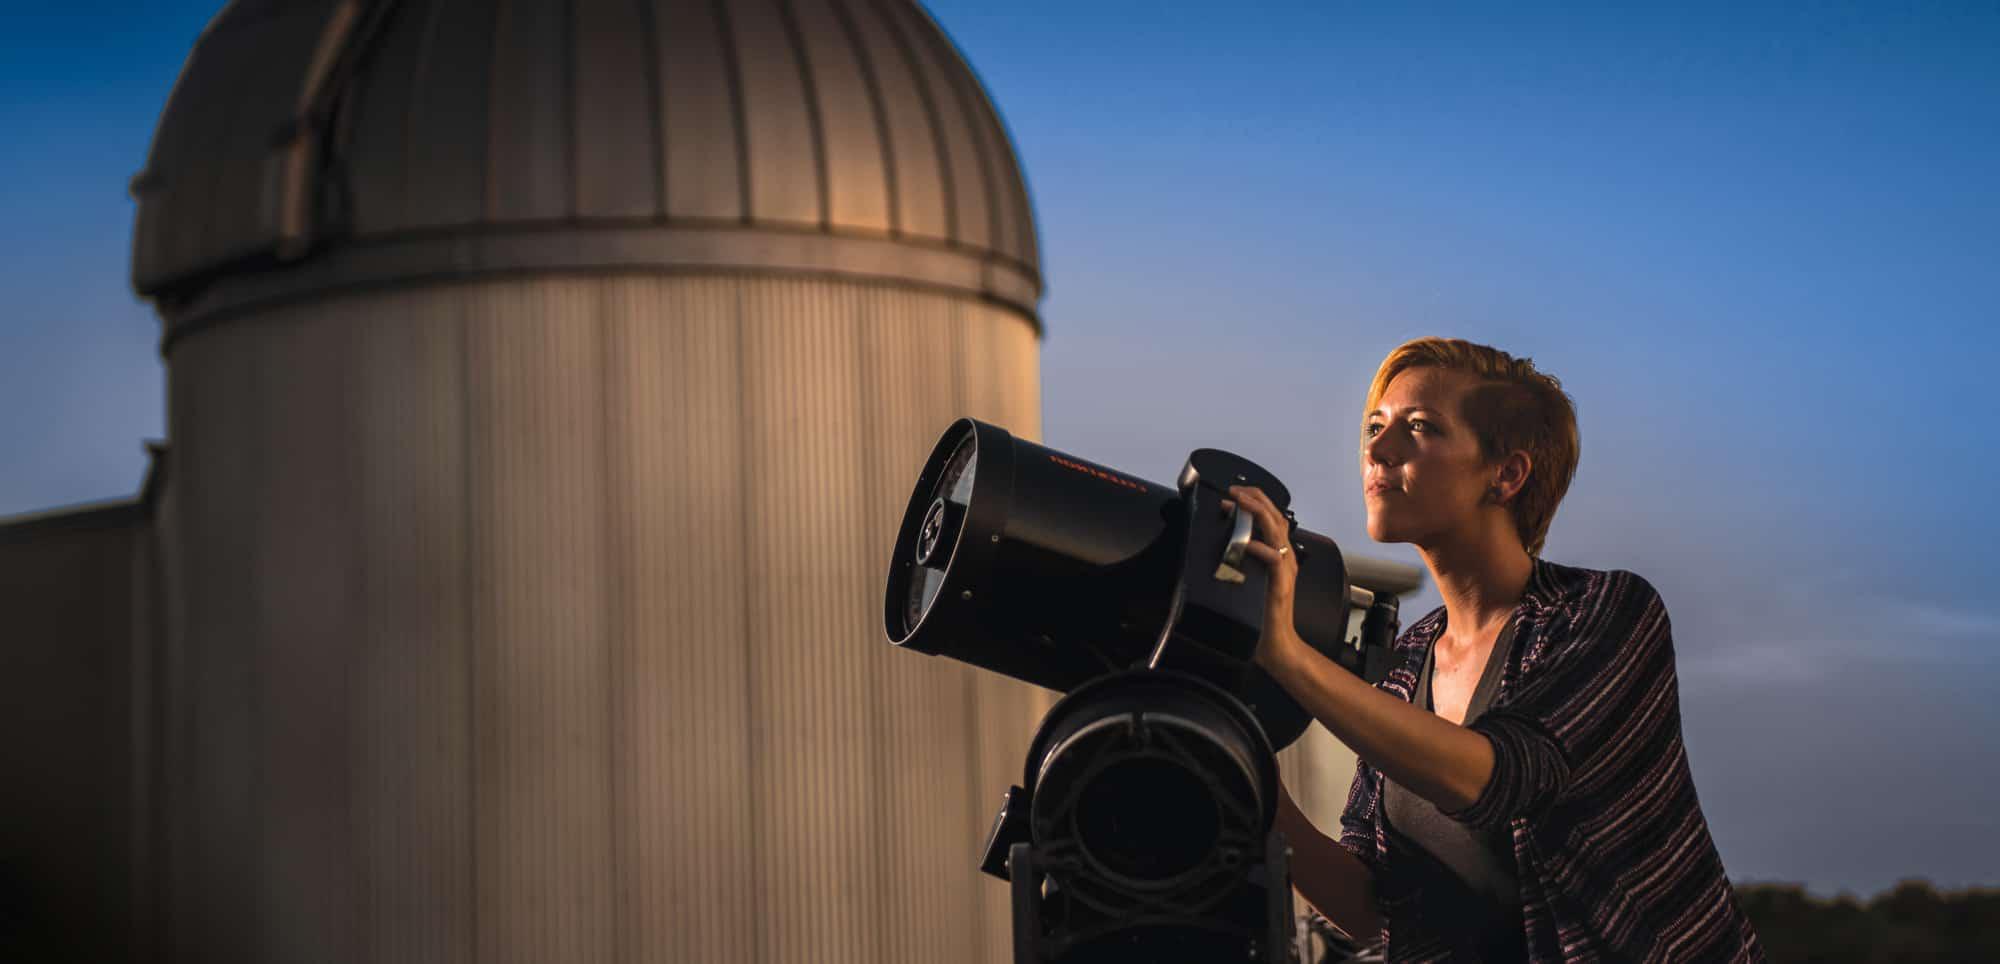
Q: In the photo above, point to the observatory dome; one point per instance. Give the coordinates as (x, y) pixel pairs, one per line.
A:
(313, 146)
(545, 379)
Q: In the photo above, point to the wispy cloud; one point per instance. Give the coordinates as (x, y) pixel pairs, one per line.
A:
(1954, 621)
(1901, 631)
(1765, 663)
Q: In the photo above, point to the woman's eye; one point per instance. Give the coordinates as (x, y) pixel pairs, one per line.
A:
(1419, 425)
(1369, 430)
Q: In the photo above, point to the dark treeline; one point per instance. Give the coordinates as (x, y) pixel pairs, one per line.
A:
(1910, 922)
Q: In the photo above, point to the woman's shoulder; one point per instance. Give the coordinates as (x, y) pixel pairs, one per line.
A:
(1579, 592)
(1566, 611)
(1569, 609)
(1554, 590)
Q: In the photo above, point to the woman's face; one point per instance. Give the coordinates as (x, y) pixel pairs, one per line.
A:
(1422, 475)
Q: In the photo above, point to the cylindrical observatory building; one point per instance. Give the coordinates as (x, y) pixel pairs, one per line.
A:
(546, 380)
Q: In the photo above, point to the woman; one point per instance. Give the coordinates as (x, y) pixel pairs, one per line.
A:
(1523, 793)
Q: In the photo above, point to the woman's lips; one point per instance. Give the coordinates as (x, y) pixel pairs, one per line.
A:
(1377, 487)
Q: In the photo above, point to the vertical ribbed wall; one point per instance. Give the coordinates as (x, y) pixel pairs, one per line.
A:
(412, 726)
(539, 590)
(540, 620)
(211, 766)
(301, 610)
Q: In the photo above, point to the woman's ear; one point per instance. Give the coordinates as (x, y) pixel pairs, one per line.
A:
(1512, 477)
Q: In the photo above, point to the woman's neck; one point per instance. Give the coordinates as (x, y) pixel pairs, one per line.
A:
(1481, 577)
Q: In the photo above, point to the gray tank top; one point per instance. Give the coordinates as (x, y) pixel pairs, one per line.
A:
(1470, 892)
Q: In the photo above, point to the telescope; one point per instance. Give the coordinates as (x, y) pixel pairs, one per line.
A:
(1142, 828)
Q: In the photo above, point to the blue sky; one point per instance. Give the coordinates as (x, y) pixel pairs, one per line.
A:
(1757, 243)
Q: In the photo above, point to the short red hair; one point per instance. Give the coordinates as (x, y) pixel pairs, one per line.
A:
(1515, 406)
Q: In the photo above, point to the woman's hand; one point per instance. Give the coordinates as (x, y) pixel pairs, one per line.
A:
(1441, 761)
(1272, 544)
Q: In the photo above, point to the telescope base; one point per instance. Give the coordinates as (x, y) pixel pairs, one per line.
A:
(1042, 936)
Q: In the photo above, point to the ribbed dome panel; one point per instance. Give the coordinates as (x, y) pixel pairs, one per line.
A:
(445, 118)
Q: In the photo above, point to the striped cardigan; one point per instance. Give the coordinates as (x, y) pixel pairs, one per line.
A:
(1613, 856)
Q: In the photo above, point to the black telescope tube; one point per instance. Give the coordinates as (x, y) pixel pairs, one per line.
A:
(1056, 568)
(1052, 569)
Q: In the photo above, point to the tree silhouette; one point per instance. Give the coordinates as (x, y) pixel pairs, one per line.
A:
(1910, 922)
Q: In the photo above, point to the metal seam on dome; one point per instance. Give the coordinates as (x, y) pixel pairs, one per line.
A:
(1028, 251)
(788, 18)
(418, 76)
(487, 189)
(732, 69)
(883, 140)
(656, 115)
(225, 120)
(155, 196)
(974, 228)
(322, 121)
(188, 204)
(941, 47)
(297, 194)
(922, 85)
(572, 151)
(1014, 189)
(147, 241)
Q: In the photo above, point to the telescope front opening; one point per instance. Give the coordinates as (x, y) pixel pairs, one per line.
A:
(927, 537)
(938, 537)
(1147, 819)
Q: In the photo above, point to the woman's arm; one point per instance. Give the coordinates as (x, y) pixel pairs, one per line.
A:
(1333, 881)
(1435, 758)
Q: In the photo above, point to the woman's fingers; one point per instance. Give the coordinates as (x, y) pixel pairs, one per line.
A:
(1256, 504)
(1266, 554)
(1271, 523)
(1275, 532)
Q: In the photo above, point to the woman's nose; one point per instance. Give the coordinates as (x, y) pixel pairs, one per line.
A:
(1376, 450)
